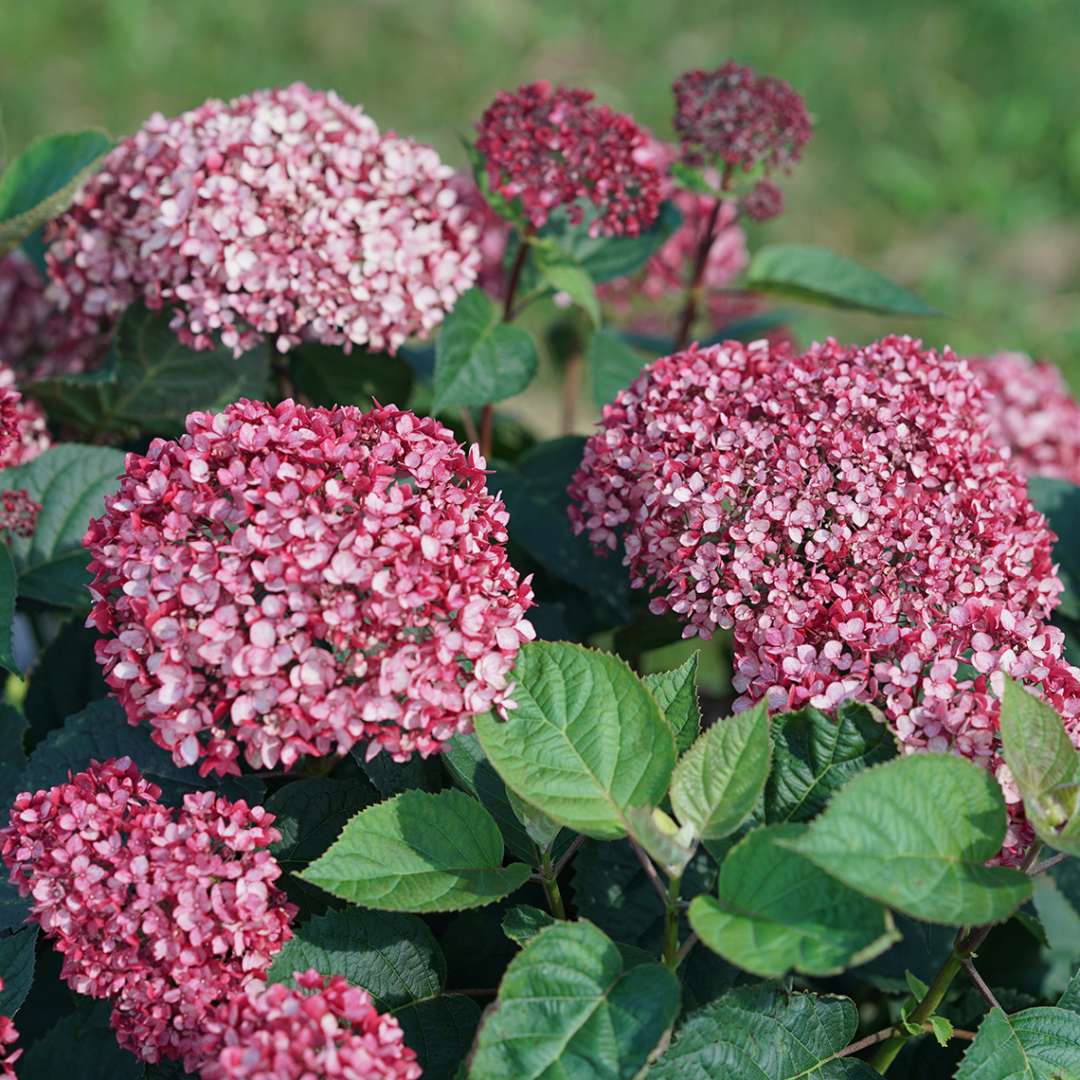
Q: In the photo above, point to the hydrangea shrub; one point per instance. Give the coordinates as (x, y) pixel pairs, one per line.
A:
(358, 725)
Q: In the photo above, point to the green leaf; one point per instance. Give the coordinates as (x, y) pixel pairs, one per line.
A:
(1036, 1044)
(942, 1029)
(41, 183)
(152, 381)
(718, 780)
(760, 1033)
(328, 377)
(522, 923)
(393, 777)
(778, 912)
(1059, 500)
(691, 179)
(564, 275)
(70, 482)
(819, 276)
(440, 1030)
(815, 755)
(394, 957)
(84, 1039)
(916, 834)
(1070, 999)
(16, 968)
(418, 852)
(668, 845)
(567, 1007)
(9, 584)
(540, 829)
(613, 365)
(1045, 765)
(676, 693)
(479, 359)
(585, 742)
(310, 815)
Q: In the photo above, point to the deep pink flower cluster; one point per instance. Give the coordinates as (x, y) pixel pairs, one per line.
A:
(550, 147)
(37, 339)
(323, 1028)
(289, 580)
(763, 202)
(23, 434)
(18, 514)
(282, 214)
(846, 514)
(1032, 413)
(8, 1035)
(736, 117)
(164, 913)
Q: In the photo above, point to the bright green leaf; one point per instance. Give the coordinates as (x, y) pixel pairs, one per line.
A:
(819, 276)
(9, 585)
(1036, 1044)
(778, 912)
(691, 179)
(718, 780)
(522, 923)
(916, 834)
(942, 1029)
(326, 376)
(70, 482)
(418, 852)
(568, 1007)
(585, 742)
(563, 275)
(613, 365)
(676, 693)
(480, 359)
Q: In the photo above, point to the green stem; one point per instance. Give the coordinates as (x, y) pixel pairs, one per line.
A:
(671, 924)
(549, 879)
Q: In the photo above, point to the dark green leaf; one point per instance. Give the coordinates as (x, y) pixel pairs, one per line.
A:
(613, 365)
(440, 1030)
(9, 584)
(328, 377)
(82, 1038)
(16, 968)
(1036, 1044)
(1059, 500)
(392, 777)
(819, 276)
(522, 923)
(311, 814)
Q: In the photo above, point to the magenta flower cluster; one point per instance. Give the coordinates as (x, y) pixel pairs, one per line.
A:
(846, 514)
(289, 580)
(323, 1028)
(1032, 413)
(9, 1034)
(284, 214)
(23, 434)
(549, 147)
(164, 913)
(733, 116)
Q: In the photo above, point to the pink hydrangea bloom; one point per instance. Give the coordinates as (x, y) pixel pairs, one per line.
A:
(37, 339)
(289, 580)
(283, 214)
(164, 913)
(846, 515)
(18, 514)
(550, 147)
(1032, 413)
(324, 1028)
(8, 1035)
(494, 232)
(23, 434)
(735, 117)
(763, 202)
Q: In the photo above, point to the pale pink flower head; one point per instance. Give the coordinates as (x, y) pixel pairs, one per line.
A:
(164, 913)
(322, 1028)
(287, 580)
(549, 147)
(284, 214)
(1032, 413)
(8, 1035)
(23, 434)
(847, 516)
(739, 119)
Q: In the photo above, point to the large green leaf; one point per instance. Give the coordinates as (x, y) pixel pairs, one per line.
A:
(440, 1030)
(70, 482)
(816, 754)
(16, 968)
(1059, 500)
(677, 695)
(613, 365)
(718, 780)
(817, 275)
(152, 381)
(9, 586)
(1045, 765)
(328, 377)
(418, 852)
(563, 274)
(916, 834)
(779, 912)
(41, 183)
(1036, 1044)
(759, 1033)
(568, 1008)
(82, 1040)
(310, 815)
(586, 741)
(480, 359)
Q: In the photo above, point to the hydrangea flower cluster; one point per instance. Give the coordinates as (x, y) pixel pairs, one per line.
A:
(550, 147)
(8, 1035)
(23, 434)
(494, 233)
(284, 214)
(846, 514)
(18, 514)
(289, 580)
(1032, 413)
(165, 913)
(323, 1028)
(736, 117)
(37, 339)
(763, 202)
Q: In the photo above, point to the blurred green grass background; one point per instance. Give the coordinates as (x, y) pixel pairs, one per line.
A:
(947, 151)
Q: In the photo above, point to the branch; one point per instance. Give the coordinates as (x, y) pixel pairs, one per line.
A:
(650, 871)
(980, 984)
(1047, 864)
